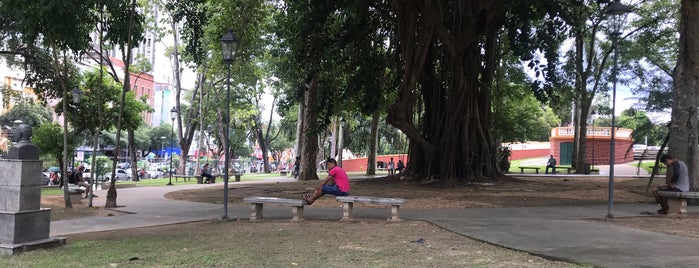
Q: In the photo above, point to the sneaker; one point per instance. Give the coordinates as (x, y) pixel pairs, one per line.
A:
(662, 211)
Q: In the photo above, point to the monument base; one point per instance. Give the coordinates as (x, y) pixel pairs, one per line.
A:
(51, 242)
(24, 226)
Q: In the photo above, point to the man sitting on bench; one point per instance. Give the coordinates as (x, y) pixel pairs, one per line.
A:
(336, 183)
(679, 182)
(206, 173)
(551, 164)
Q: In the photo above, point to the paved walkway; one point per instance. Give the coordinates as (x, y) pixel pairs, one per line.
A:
(577, 234)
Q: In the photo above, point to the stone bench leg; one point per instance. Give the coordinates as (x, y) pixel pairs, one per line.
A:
(76, 198)
(297, 211)
(678, 206)
(394, 213)
(347, 210)
(255, 211)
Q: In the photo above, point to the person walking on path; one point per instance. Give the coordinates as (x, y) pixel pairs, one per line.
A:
(678, 182)
(551, 164)
(336, 183)
(297, 165)
(391, 167)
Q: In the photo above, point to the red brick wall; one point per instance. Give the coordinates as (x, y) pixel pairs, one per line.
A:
(360, 164)
(598, 150)
(529, 153)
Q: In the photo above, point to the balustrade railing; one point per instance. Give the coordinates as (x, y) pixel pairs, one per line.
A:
(592, 132)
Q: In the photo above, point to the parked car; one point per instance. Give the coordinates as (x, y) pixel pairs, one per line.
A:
(638, 150)
(121, 175)
(124, 165)
(154, 173)
(44, 178)
(641, 151)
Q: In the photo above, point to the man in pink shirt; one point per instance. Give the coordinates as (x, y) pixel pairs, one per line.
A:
(336, 183)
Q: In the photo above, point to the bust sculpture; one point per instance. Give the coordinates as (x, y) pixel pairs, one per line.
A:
(22, 147)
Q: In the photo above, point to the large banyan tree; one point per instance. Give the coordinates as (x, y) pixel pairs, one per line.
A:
(450, 54)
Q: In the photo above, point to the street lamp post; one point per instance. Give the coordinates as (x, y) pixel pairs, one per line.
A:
(173, 115)
(340, 142)
(229, 47)
(162, 146)
(77, 95)
(616, 13)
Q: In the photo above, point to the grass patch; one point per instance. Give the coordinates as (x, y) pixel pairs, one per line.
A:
(647, 164)
(278, 244)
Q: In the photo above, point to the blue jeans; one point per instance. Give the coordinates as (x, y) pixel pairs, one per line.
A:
(333, 190)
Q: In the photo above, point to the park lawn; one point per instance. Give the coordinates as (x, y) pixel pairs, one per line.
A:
(515, 164)
(647, 164)
(278, 244)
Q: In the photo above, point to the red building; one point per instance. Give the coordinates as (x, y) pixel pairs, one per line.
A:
(141, 84)
(598, 145)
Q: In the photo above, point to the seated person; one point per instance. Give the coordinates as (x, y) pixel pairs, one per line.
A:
(679, 182)
(336, 183)
(400, 166)
(80, 180)
(206, 173)
(53, 178)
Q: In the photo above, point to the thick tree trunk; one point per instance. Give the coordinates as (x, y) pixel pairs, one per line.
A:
(112, 192)
(683, 126)
(132, 155)
(299, 131)
(310, 132)
(371, 160)
(452, 141)
(261, 142)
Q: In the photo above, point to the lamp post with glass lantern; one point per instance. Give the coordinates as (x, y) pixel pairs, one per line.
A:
(229, 47)
(162, 146)
(173, 115)
(77, 95)
(616, 13)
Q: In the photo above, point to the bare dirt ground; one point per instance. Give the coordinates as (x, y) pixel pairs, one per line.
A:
(60, 212)
(504, 192)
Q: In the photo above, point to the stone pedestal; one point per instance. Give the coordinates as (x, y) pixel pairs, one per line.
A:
(24, 225)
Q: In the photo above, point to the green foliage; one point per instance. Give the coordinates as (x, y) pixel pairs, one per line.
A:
(651, 52)
(194, 12)
(96, 108)
(48, 137)
(504, 154)
(29, 112)
(520, 117)
(643, 128)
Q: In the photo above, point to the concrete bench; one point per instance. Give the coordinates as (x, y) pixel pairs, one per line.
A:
(658, 168)
(570, 169)
(75, 193)
(534, 168)
(348, 203)
(677, 201)
(200, 179)
(257, 203)
(185, 178)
